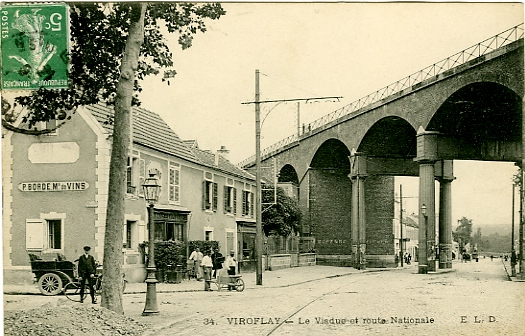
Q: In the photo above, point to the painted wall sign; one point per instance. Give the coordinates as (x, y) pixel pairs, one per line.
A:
(53, 186)
(35, 44)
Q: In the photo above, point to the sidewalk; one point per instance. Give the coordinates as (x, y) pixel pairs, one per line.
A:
(271, 279)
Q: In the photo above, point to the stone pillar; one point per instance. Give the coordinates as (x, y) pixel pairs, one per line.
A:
(426, 157)
(445, 214)
(357, 176)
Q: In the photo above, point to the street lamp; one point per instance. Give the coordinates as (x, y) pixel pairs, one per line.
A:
(422, 264)
(151, 195)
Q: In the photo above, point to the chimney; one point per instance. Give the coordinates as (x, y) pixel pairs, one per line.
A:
(224, 152)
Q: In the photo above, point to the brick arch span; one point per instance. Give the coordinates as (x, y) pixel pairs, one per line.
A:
(485, 119)
(390, 136)
(287, 173)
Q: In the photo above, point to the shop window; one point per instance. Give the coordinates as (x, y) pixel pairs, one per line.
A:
(209, 195)
(230, 200)
(169, 231)
(54, 234)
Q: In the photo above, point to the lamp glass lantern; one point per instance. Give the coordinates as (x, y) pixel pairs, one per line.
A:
(424, 210)
(151, 189)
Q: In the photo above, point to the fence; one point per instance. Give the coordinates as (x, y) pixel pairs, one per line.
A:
(290, 244)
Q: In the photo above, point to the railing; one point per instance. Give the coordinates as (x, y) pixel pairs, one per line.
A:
(500, 40)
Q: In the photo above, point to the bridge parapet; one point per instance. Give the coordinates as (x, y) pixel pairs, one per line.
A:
(439, 70)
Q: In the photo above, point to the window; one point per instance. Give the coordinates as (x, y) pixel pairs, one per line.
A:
(209, 195)
(230, 200)
(168, 230)
(247, 203)
(208, 233)
(129, 233)
(54, 234)
(51, 124)
(174, 184)
(135, 176)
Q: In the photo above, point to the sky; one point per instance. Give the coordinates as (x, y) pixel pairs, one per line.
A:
(320, 49)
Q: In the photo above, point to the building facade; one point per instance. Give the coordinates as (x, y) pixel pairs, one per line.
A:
(55, 190)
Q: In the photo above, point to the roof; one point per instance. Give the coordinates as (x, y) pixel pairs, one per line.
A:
(149, 130)
(410, 221)
(208, 158)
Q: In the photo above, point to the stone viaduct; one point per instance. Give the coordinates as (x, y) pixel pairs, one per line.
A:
(466, 107)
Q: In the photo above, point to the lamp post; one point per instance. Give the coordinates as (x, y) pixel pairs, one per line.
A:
(423, 264)
(151, 195)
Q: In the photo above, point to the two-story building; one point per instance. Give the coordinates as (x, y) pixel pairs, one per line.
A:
(55, 189)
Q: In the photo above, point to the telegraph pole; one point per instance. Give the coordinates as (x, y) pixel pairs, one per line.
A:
(258, 194)
(513, 267)
(401, 222)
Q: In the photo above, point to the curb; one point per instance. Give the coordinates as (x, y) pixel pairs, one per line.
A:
(509, 277)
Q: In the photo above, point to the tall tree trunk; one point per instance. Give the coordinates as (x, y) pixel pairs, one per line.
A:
(112, 284)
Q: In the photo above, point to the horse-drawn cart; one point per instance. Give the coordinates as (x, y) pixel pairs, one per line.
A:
(52, 275)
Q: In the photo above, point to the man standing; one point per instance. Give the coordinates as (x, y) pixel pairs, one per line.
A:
(217, 260)
(197, 256)
(87, 270)
(207, 265)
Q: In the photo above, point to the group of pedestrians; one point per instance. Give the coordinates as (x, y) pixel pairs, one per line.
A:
(208, 265)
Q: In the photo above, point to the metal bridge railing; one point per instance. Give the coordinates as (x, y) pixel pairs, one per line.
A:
(500, 40)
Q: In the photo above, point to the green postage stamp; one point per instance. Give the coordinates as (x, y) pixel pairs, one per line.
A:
(35, 46)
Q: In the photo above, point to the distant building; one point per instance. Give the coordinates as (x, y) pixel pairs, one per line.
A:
(55, 190)
(410, 235)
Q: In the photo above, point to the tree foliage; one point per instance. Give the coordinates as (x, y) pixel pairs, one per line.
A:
(463, 231)
(98, 38)
(281, 218)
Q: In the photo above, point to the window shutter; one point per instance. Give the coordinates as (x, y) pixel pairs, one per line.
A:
(225, 199)
(251, 204)
(35, 235)
(142, 174)
(215, 196)
(235, 200)
(203, 195)
(244, 205)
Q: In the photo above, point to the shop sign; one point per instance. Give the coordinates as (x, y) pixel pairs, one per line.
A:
(170, 215)
(53, 186)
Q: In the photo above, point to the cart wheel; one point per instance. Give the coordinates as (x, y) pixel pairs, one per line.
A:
(50, 284)
(239, 285)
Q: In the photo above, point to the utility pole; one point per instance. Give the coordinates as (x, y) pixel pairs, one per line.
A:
(513, 266)
(401, 223)
(258, 195)
(298, 119)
